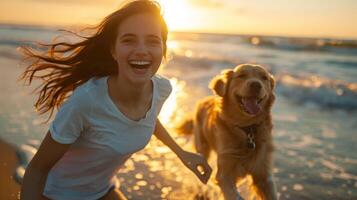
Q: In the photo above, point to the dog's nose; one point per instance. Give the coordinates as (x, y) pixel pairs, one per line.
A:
(256, 86)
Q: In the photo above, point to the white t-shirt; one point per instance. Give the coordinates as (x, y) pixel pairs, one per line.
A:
(102, 139)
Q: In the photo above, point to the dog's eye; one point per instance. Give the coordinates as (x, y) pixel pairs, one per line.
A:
(265, 78)
(241, 76)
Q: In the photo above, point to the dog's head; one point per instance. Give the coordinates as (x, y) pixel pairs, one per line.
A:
(249, 88)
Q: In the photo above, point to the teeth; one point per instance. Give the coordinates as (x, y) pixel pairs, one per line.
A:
(243, 108)
(139, 62)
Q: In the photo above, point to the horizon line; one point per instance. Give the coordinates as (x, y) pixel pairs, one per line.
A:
(67, 26)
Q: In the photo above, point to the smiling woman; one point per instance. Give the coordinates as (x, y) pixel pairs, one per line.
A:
(109, 97)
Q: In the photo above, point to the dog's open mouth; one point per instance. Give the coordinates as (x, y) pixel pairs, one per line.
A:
(250, 105)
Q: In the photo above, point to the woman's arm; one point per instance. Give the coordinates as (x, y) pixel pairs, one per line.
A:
(191, 160)
(35, 176)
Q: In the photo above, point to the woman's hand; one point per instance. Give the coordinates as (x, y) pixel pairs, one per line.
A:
(198, 164)
(194, 162)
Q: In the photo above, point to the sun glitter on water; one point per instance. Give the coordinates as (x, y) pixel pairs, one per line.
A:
(170, 107)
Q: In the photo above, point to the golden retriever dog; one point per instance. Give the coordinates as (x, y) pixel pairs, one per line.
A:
(236, 123)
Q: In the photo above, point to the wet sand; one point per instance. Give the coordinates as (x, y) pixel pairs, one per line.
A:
(8, 161)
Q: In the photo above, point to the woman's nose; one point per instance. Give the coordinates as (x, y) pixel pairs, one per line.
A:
(141, 49)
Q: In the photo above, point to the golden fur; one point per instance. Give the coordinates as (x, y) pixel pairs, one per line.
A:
(244, 97)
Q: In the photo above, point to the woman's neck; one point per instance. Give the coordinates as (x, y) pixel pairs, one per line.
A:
(127, 94)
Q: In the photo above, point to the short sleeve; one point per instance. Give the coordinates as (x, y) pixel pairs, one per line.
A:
(70, 119)
(164, 90)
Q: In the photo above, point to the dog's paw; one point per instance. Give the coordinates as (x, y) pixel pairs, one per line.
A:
(201, 196)
(240, 197)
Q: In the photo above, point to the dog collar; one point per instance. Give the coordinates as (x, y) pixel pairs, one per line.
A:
(250, 131)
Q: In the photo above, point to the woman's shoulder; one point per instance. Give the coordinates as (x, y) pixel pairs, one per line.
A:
(163, 85)
(84, 94)
(92, 84)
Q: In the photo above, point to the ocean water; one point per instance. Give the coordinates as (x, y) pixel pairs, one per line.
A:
(315, 114)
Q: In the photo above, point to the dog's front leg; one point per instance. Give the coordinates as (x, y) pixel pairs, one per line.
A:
(265, 187)
(226, 178)
(272, 188)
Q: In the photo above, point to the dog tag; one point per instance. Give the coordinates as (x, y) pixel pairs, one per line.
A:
(251, 144)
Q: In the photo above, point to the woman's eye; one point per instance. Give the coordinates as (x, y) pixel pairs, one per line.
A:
(127, 41)
(154, 42)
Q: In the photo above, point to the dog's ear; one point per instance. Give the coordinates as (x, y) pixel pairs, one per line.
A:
(272, 94)
(272, 82)
(219, 83)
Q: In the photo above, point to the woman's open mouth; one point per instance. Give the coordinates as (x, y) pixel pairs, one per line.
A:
(140, 66)
(250, 105)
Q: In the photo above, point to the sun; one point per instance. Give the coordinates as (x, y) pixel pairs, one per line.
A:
(179, 14)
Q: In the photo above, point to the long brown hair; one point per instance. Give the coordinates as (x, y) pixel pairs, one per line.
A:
(64, 65)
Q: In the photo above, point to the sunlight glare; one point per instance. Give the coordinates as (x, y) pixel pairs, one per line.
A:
(170, 106)
(179, 14)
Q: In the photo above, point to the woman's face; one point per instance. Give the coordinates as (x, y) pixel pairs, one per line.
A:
(138, 48)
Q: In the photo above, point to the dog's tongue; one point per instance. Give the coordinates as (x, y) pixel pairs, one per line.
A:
(251, 105)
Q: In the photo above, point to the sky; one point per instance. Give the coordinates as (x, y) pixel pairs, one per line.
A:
(304, 18)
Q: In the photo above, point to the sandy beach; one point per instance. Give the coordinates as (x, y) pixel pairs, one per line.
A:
(8, 162)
